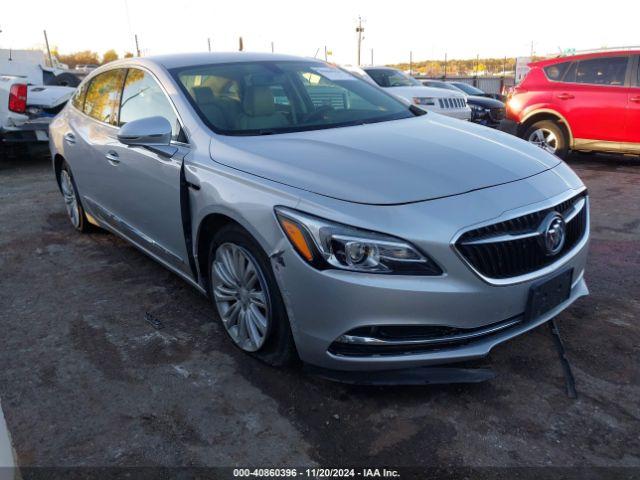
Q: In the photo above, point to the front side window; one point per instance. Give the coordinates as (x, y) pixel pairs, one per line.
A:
(259, 98)
(103, 95)
(599, 71)
(142, 97)
(387, 77)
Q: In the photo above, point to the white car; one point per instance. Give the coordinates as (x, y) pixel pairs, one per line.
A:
(403, 86)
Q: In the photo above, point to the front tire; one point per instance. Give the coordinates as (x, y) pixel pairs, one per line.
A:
(75, 211)
(550, 136)
(244, 291)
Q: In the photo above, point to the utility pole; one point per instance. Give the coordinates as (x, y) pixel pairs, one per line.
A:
(359, 30)
(209, 44)
(325, 53)
(410, 63)
(372, 57)
(46, 41)
(272, 48)
(137, 45)
(240, 44)
(444, 77)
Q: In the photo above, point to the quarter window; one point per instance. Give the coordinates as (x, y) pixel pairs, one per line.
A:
(556, 71)
(142, 97)
(103, 94)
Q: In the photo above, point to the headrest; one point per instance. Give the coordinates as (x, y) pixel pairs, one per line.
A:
(258, 101)
(203, 95)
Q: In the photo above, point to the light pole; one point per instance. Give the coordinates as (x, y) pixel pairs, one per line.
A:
(359, 30)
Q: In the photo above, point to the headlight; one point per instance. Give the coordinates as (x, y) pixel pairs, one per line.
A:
(478, 108)
(424, 100)
(324, 244)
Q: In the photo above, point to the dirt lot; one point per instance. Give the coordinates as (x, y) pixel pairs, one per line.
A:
(85, 380)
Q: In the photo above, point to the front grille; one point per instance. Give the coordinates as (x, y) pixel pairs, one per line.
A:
(448, 103)
(497, 114)
(508, 258)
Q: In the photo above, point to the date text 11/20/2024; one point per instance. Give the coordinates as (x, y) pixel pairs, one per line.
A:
(316, 472)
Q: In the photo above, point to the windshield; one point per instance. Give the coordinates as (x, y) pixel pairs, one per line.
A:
(388, 77)
(263, 98)
(468, 89)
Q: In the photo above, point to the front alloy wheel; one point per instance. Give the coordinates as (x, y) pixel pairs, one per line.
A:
(239, 294)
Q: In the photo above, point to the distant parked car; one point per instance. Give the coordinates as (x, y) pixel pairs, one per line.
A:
(475, 91)
(484, 110)
(452, 104)
(587, 102)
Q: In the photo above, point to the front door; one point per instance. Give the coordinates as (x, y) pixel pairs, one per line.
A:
(147, 199)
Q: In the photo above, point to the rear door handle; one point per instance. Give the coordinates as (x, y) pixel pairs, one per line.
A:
(635, 99)
(113, 157)
(70, 138)
(565, 96)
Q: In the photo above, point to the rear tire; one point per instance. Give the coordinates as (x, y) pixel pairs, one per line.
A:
(549, 135)
(75, 211)
(251, 311)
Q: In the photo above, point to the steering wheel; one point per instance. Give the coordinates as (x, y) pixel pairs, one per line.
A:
(318, 112)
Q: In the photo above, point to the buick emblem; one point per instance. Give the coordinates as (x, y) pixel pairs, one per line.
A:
(552, 233)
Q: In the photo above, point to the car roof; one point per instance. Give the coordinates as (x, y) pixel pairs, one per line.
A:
(586, 55)
(188, 59)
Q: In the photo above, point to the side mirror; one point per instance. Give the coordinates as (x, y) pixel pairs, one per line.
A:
(153, 133)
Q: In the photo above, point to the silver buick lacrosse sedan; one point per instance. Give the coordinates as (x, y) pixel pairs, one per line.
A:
(326, 220)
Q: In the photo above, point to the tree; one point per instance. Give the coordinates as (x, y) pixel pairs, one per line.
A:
(80, 58)
(109, 56)
(128, 55)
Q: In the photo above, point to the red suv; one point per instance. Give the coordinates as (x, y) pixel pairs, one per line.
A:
(587, 102)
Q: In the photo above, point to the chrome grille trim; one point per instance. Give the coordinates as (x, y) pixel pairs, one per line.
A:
(581, 204)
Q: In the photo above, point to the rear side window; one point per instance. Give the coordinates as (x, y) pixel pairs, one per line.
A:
(556, 72)
(78, 97)
(142, 97)
(103, 96)
(600, 71)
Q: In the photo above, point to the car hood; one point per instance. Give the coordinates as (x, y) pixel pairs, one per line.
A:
(418, 91)
(485, 102)
(387, 163)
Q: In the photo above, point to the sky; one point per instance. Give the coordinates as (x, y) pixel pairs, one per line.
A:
(460, 28)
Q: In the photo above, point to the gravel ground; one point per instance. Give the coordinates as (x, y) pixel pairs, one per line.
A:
(86, 381)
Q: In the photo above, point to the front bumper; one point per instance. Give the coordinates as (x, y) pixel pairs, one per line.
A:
(323, 306)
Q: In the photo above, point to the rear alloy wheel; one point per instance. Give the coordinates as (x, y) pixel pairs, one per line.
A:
(72, 203)
(246, 295)
(550, 136)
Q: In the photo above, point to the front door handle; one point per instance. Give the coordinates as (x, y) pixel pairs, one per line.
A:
(635, 99)
(113, 157)
(565, 96)
(70, 138)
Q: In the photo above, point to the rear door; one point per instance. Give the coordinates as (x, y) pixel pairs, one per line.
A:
(93, 135)
(632, 130)
(592, 96)
(147, 198)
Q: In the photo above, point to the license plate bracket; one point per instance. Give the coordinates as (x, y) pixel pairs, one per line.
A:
(548, 294)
